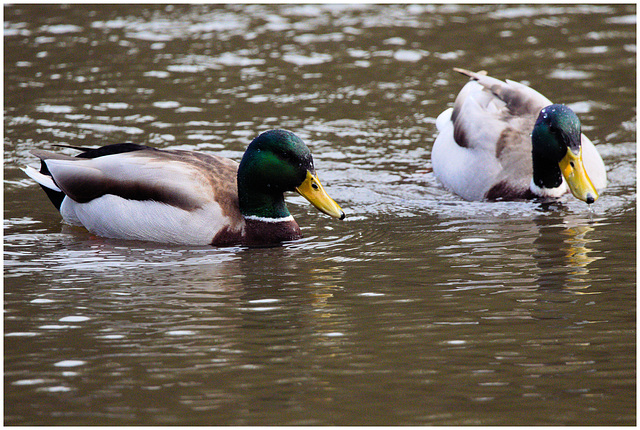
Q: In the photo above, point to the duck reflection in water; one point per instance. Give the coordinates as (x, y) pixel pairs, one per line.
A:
(561, 252)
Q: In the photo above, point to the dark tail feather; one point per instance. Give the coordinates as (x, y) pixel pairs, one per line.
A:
(56, 197)
(117, 148)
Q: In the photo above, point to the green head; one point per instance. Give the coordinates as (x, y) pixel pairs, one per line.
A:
(275, 162)
(557, 152)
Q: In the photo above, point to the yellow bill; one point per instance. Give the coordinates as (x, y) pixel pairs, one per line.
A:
(312, 190)
(576, 176)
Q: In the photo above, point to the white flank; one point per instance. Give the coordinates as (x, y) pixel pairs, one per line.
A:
(468, 172)
(115, 217)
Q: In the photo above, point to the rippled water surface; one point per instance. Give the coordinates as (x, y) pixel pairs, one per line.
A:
(419, 308)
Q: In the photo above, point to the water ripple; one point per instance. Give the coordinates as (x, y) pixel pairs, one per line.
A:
(416, 292)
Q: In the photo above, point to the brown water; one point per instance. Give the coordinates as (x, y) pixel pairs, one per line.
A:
(419, 308)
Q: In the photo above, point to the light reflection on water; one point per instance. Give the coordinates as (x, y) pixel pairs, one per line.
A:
(419, 308)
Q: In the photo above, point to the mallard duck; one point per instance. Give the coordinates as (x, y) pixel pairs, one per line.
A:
(130, 191)
(505, 141)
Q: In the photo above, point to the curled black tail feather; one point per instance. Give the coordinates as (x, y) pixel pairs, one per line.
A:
(117, 148)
